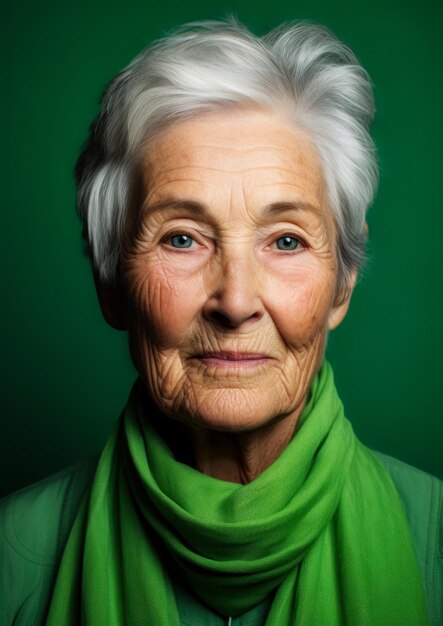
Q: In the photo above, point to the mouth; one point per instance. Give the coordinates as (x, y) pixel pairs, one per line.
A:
(233, 360)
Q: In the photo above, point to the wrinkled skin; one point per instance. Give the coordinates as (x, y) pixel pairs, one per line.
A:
(226, 328)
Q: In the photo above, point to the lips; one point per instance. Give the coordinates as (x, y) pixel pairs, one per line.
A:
(232, 360)
(227, 355)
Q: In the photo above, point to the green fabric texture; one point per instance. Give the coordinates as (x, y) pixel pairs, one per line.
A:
(323, 527)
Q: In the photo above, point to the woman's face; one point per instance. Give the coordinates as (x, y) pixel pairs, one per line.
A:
(231, 278)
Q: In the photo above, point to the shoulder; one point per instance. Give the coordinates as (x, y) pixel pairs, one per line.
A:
(32, 520)
(421, 493)
(34, 525)
(422, 497)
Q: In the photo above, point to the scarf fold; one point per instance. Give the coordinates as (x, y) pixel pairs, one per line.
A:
(323, 527)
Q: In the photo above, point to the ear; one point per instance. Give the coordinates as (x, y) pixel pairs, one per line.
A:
(339, 309)
(112, 302)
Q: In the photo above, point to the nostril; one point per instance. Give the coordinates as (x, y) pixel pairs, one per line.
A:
(222, 319)
(231, 319)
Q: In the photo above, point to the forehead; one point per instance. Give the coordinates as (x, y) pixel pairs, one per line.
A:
(259, 153)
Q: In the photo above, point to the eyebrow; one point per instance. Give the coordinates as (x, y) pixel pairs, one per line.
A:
(199, 208)
(192, 206)
(276, 208)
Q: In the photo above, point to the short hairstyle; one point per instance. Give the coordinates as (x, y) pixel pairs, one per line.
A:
(206, 66)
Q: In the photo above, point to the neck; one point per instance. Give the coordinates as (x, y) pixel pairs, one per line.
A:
(241, 457)
(237, 457)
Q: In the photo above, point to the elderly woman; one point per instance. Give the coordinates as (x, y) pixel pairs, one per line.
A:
(223, 191)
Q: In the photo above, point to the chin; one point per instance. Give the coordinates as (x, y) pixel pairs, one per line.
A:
(231, 411)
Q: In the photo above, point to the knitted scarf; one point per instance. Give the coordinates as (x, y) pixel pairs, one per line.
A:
(323, 528)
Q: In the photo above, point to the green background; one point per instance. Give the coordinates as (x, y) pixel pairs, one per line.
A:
(66, 374)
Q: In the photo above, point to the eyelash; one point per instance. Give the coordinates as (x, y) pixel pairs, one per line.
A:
(301, 244)
(167, 239)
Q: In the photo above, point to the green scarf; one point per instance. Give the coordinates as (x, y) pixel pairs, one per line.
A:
(322, 527)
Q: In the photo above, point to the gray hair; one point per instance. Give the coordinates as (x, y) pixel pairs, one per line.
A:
(300, 67)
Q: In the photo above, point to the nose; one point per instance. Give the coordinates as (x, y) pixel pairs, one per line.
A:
(234, 297)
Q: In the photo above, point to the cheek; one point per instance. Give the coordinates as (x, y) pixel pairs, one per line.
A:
(166, 304)
(300, 305)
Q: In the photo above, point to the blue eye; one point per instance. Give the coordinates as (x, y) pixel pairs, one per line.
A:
(287, 243)
(181, 241)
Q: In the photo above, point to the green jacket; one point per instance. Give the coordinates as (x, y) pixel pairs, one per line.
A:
(35, 522)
